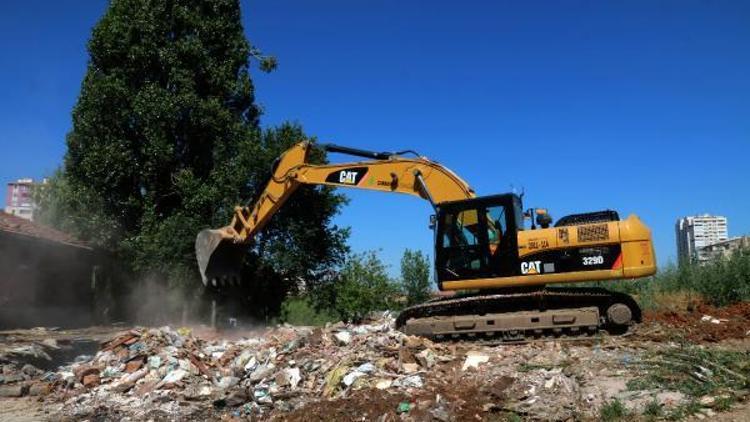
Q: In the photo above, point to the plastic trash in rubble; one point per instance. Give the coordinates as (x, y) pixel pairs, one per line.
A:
(68, 378)
(343, 337)
(410, 368)
(349, 378)
(137, 347)
(426, 358)
(360, 330)
(292, 345)
(172, 377)
(403, 407)
(261, 372)
(226, 383)
(262, 396)
(412, 381)
(360, 371)
(474, 359)
(294, 377)
(251, 364)
(154, 362)
(49, 376)
(241, 360)
(383, 384)
(82, 358)
(110, 372)
(712, 320)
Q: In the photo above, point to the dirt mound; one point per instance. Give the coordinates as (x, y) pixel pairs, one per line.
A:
(706, 323)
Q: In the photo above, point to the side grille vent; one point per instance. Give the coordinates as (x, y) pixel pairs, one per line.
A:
(593, 233)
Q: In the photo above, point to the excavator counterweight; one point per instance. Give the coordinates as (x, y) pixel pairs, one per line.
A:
(482, 246)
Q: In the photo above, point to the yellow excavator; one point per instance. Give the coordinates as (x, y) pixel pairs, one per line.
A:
(482, 249)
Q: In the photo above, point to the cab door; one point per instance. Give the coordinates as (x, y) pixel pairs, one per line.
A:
(461, 249)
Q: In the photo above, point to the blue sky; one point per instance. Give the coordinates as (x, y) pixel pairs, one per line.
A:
(640, 106)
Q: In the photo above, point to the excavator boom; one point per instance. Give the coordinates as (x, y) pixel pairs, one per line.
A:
(220, 251)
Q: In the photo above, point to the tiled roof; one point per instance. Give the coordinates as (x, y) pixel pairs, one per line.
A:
(18, 225)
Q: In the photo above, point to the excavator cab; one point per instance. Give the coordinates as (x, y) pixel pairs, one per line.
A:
(477, 238)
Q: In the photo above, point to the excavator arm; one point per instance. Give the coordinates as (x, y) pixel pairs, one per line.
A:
(220, 251)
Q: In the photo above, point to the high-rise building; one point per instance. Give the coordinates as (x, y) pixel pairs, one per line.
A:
(19, 200)
(696, 232)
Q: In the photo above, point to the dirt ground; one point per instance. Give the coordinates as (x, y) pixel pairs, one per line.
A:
(731, 322)
(563, 379)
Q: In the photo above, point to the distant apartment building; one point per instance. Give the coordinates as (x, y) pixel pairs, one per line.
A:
(725, 248)
(19, 199)
(695, 233)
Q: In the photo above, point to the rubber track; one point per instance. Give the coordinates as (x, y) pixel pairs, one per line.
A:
(535, 300)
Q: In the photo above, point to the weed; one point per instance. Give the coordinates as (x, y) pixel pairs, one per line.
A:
(613, 411)
(694, 371)
(723, 403)
(512, 417)
(653, 409)
(683, 411)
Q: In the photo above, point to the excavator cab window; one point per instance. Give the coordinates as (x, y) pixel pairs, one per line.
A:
(497, 226)
(477, 238)
(461, 237)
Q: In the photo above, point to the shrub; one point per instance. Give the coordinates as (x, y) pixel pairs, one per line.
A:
(363, 286)
(720, 282)
(302, 311)
(415, 276)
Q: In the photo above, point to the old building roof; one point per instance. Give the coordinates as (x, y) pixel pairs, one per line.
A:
(13, 224)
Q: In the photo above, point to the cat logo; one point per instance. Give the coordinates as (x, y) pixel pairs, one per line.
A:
(351, 176)
(348, 177)
(533, 267)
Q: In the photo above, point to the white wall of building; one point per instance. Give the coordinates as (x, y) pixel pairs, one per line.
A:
(696, 232)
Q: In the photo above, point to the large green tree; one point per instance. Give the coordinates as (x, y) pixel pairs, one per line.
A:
(166, 140)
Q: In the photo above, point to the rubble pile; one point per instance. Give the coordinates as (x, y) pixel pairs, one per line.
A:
(351, 372)
(174, 372)
(20, 374)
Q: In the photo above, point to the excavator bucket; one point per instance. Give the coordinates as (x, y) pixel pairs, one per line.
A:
(219, 258)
